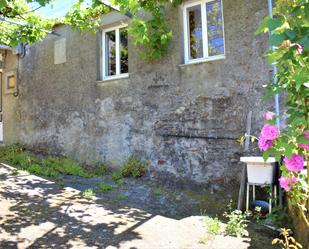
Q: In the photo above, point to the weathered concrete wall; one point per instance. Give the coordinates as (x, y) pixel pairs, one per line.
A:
(10, 104)
(185, 119)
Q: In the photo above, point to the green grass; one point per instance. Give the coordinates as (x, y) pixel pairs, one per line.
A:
(55, 166)
(120, 197)
(51, 166)
(104, 187)
(117, 176)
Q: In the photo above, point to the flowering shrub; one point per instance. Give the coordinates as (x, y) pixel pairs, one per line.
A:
(295, 163)
(269, 132)
(287, 183)
(289, 36)
(271, 142)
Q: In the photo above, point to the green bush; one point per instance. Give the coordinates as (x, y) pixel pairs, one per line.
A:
(133, 167)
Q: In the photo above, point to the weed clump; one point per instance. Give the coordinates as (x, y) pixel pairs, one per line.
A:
(49, 167)
(101, 170)
(237, 222)
(213, 225)
(120, 197)
(117, 177)
(133, 167)
(88, 192)
(104, 187)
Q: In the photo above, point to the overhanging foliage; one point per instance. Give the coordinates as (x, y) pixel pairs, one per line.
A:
(153, 34)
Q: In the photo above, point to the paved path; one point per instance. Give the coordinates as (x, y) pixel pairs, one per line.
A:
(36, 213)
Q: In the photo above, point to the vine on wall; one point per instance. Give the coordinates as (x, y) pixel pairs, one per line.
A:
(152, 33)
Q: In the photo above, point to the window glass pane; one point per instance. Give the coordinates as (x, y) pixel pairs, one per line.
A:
(110, 53)
(195, 32)
(124, 66)
(215, 28)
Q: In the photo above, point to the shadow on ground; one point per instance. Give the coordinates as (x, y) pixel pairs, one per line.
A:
(37, 213)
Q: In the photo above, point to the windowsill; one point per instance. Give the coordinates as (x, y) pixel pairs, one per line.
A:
(203, 60)
(113, 78)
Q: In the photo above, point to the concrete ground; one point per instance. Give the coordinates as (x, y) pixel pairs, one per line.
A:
(37, 213)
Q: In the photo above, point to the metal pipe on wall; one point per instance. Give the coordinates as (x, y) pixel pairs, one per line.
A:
(277, 103)
(275, 69)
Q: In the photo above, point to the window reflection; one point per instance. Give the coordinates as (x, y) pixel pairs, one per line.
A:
(124, 66)
(215, 28)
(111, 53)
(195, 32)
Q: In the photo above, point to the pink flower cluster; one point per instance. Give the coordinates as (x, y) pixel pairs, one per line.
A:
(287, 183)
(295, 163)
(268, 134)
(264, 144)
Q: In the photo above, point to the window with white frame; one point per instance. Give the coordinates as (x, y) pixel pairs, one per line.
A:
(115, 52)
(203, 30)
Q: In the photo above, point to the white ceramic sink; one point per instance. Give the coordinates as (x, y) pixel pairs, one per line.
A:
(259, 171)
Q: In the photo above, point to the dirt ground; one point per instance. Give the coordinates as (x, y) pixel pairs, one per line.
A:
(39, 213)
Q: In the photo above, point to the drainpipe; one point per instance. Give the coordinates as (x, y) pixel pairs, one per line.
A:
(275, 69)
(277, 108)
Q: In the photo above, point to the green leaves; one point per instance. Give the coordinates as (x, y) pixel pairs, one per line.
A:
(264, 26)
(152, 34)
(33, 27)
(274, 23)
(290, 37)
(276, 39)
(290, 34)
(86, 18)
(305, 42)
(270, 24)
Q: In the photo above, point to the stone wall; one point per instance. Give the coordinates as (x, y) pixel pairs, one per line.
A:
(184, 119)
